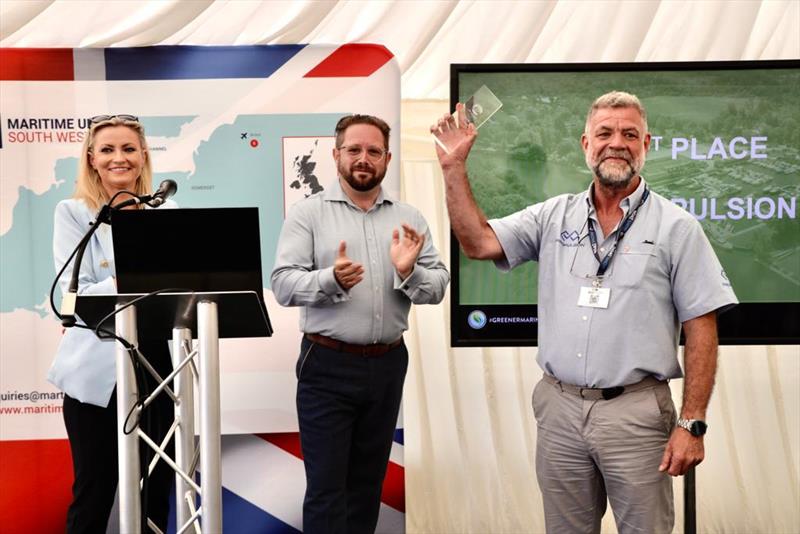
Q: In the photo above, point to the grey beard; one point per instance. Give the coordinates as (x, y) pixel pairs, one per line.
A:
(614, 181)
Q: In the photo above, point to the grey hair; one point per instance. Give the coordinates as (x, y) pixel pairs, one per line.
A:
(616, 99)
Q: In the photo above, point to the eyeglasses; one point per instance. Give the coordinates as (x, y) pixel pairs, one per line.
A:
(102, 118)
(354, 151)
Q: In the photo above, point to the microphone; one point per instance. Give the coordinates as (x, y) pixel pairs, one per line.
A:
(131, 201)
(166, 189)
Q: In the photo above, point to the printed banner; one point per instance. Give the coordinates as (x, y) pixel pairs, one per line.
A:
(233, 126)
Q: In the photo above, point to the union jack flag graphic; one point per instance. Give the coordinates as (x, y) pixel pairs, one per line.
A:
(254, 102)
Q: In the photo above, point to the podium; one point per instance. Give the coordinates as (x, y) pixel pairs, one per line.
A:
(174, 316)
(223, 299)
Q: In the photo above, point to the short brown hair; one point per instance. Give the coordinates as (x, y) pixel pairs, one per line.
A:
(349, 120)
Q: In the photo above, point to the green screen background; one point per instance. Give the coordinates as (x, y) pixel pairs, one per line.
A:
(530, 151)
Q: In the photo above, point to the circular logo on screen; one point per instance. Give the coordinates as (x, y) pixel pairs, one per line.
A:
(476, 319)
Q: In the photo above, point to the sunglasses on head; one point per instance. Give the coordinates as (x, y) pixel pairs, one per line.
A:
(102, 118)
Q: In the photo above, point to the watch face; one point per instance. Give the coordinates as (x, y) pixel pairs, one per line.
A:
(698, 428)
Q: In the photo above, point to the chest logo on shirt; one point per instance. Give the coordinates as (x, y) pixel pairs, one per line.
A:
(569, 238)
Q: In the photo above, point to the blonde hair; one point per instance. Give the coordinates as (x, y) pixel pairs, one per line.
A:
(616, 99)
(88, 186)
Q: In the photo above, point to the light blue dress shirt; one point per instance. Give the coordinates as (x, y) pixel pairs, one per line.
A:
(376, 309)
(663, 273)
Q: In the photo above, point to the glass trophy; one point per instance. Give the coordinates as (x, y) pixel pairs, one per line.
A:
(478, 109)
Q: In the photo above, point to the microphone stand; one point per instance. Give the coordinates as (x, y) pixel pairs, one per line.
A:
(68, 303)
(67, 314)
(166, 189)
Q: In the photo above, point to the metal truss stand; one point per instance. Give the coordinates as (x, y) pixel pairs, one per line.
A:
(189, 365)
(173, 316)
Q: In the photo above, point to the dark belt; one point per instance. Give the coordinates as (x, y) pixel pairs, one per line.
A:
(602, 393)
(376, 349)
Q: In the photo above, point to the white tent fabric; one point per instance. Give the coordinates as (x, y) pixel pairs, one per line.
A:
(427, 35)
(470, 433)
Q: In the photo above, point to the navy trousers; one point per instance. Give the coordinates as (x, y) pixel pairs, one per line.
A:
(347, 407)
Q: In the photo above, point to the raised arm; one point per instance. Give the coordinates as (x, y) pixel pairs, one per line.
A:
(477, 239)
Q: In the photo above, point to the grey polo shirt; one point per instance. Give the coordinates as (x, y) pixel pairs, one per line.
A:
(663, 273)
(376, 309)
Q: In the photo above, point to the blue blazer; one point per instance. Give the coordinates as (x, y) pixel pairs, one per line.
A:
(85, 367)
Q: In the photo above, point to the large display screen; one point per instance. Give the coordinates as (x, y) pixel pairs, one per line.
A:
(725, 147)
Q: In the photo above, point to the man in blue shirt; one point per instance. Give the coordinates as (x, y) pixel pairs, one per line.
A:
(611, 306)
(341, 256)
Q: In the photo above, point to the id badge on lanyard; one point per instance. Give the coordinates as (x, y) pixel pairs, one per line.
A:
(594, 296)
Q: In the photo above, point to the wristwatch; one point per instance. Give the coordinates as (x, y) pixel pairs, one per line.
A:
(696, 427)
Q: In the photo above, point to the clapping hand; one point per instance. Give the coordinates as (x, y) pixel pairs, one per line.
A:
(404, 252)
(347, 272)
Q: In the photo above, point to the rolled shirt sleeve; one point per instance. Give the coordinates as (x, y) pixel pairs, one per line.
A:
(520, 236)
(296, 280)
(699, 283)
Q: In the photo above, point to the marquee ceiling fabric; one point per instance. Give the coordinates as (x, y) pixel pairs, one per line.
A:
(427, 35)
(470, 433)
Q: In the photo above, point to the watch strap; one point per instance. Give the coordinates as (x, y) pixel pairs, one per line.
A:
(689, 426)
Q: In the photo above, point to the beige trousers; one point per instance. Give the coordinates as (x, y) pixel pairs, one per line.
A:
(590, 450)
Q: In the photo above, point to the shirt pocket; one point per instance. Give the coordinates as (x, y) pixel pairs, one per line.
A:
(631, 264)
(581, 261)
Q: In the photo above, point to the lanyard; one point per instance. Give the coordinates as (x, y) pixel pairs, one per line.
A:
(623, 228)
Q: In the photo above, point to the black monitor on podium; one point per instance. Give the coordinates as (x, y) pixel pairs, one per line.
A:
(199, 254)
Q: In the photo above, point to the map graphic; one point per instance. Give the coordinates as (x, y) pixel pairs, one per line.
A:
(308, 167)
(224, 170)
(216, 119)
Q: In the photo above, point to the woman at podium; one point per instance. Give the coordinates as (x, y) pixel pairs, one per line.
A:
(113, 158)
